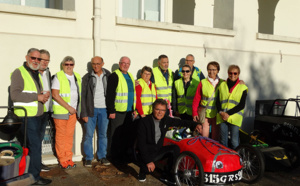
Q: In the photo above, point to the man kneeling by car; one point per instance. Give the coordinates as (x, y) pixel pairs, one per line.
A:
(150, 136)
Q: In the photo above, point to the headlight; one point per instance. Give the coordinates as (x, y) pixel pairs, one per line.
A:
(219, 165)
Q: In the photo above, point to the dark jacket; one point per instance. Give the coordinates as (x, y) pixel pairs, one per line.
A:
(146, 135)
(88, 92)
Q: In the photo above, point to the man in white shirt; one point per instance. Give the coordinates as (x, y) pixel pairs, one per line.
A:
(94, 112)
(46, 78)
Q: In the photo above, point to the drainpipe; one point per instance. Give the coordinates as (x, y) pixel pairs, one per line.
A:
(97, 26)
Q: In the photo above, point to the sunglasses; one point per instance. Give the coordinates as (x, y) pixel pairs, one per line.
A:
(35, 58)
(68, 64)
(185, 71)
(233, 73)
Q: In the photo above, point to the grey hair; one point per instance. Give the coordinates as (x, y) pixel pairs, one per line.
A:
(191, 56)
(43, 51)
(32, 50)
(124, 57)
(68, 58)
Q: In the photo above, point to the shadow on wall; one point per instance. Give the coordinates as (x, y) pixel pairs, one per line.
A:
(181, 62)
(262, 80)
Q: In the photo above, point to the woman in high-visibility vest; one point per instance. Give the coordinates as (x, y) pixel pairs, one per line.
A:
(184, 91)
(205, 97)
(230, 104)
(66, 91)
(145, 93)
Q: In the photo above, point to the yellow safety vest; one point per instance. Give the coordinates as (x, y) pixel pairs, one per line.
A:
(147, 97)
(207, 91)
(29, 87)
(195, 75)
(229, 101)
(185, 102)
(163, 89)
(59, 111)
(121, 101)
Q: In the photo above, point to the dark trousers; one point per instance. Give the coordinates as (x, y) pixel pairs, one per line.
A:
(33, 143)
(44, 122)
(171, 152)
(119, 135)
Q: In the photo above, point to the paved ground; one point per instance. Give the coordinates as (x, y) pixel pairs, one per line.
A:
(127, 175)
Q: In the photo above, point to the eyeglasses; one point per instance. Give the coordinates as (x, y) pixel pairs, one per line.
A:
(68, 64)
(185, 71)
(233, 73)
(124, 63)
(189, 60)
(163, 110)
(47, 61)
(96, 64)
(35, 58)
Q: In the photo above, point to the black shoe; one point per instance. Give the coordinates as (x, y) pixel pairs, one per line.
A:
(45, 168)
(42, 181)
(88, 163)
(142, 177)
(104, 161)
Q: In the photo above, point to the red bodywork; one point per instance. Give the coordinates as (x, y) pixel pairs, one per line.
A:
(211, 153)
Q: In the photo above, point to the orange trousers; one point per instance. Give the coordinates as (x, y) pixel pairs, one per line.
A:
(64, 137)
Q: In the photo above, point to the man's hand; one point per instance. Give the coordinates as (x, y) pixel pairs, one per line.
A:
(134, 114)
(199, 129)
(196, 118)
(43, 97)
(85, 119)
(112, 116)
(224, 116)
(151, 166)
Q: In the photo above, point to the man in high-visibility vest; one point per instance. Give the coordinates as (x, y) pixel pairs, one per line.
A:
(120, 103)
(46, 78)
(26, 90)
(163, 77)
(196, 72)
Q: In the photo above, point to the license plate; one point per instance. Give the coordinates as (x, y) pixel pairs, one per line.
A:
(223, 177)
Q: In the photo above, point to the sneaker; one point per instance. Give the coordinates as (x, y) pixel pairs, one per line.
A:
(71, 164)
(88, 163)
(64, 165)
(45, 168)
(104, 161)
(142, 177)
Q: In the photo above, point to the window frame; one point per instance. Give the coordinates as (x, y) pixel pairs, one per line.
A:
(142, 9)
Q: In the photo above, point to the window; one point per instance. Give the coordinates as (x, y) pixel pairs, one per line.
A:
(54, 4)
(142, 9)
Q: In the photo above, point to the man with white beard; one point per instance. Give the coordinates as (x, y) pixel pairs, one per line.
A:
(26, 90)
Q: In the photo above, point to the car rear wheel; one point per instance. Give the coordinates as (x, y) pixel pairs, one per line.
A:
(253, 163)
(188, 170)
(292, 151)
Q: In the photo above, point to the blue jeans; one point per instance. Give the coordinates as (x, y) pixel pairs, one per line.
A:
(234, 134)
(100, 119)
(33, 143)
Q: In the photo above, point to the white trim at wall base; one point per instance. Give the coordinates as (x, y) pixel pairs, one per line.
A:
(174, 27)
(52, 160)
(34, 11)
(277, 38)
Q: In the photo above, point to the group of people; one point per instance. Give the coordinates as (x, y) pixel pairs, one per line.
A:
(112, 101)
